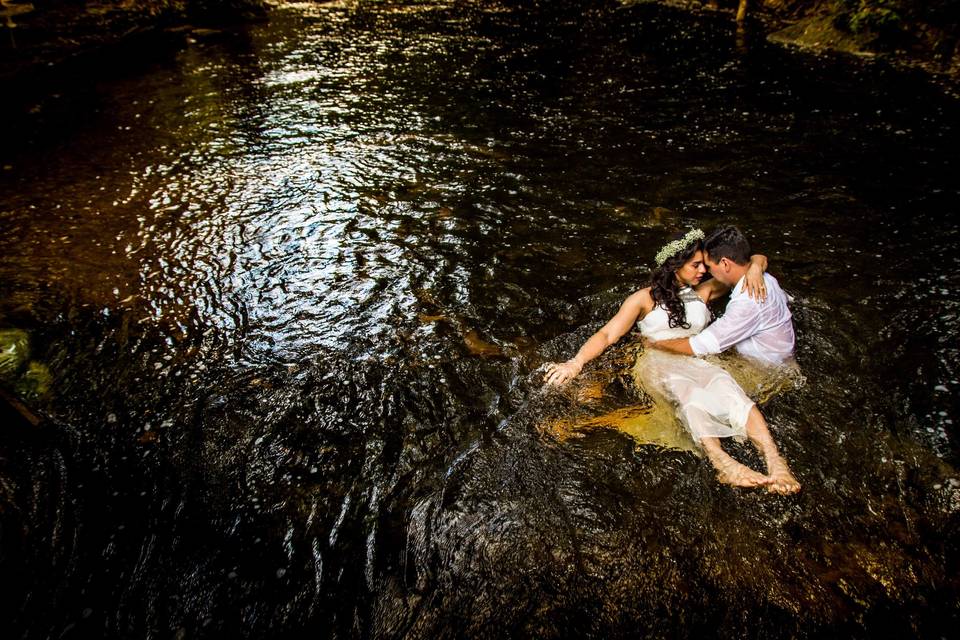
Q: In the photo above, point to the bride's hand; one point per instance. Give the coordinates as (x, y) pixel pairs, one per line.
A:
(563, 372)
(754, 283)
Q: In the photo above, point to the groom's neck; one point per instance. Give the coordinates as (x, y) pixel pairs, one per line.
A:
(737, 271)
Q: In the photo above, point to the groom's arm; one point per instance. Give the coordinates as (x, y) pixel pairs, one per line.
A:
(741, 320)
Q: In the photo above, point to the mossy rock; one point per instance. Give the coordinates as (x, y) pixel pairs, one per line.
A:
(34, 384)
(820, 33)
(14, 352)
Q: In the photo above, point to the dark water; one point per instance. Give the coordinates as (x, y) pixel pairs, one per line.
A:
(294, 283)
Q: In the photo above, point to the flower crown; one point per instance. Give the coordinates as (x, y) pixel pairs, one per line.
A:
(671, 248)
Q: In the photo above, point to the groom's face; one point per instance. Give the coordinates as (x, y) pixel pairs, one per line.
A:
(719, 270)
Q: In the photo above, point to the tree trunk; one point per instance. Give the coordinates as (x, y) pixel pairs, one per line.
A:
(742, 11)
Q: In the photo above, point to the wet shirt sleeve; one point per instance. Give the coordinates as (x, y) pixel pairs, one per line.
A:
(741, 320)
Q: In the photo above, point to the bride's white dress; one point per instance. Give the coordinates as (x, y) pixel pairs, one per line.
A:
(709, 401)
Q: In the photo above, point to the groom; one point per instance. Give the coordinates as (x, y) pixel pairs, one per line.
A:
(761, 331)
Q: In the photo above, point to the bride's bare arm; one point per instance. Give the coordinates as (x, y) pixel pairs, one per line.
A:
(676, 345)
(633, 308)
(754, 284)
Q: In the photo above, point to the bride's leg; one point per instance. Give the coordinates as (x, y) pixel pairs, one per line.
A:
(780, 479)
(729, 471)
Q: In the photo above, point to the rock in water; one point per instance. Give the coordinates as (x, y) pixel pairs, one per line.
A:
(14, 352)
(34, 384)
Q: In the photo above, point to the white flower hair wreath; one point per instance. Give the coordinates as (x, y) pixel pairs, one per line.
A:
(676, 246)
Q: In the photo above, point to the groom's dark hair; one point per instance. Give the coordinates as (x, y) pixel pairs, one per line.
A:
(729, 243)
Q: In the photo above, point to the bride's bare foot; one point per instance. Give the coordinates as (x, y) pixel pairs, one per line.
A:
(780, 480)
(729, 471)
(738, 475)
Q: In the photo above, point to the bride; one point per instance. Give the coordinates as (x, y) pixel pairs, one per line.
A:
(709, 402)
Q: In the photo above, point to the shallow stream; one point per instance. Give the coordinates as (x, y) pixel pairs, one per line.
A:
(294, 284)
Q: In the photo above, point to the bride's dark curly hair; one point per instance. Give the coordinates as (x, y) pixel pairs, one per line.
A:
(663, 283)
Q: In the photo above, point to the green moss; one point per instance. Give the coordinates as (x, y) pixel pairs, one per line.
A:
(892, 18)
(873, 16)
(14, 352)
(31, 380)
(34, 384)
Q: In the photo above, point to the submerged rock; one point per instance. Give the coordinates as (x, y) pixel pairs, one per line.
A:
(477, 346)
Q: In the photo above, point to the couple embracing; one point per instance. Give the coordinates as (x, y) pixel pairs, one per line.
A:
(675, 323)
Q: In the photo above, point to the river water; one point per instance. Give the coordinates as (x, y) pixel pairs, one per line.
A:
(294, 283)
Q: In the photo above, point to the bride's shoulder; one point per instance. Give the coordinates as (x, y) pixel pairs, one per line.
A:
(642, 300)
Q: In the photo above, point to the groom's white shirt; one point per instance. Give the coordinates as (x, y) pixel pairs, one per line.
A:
(760, 330)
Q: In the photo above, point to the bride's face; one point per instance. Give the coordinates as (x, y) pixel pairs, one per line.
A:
(692, 271)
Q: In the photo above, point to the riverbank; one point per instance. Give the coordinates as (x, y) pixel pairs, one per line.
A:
(49, 33)
(906, 43)
(891, 31)
(52, 33)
